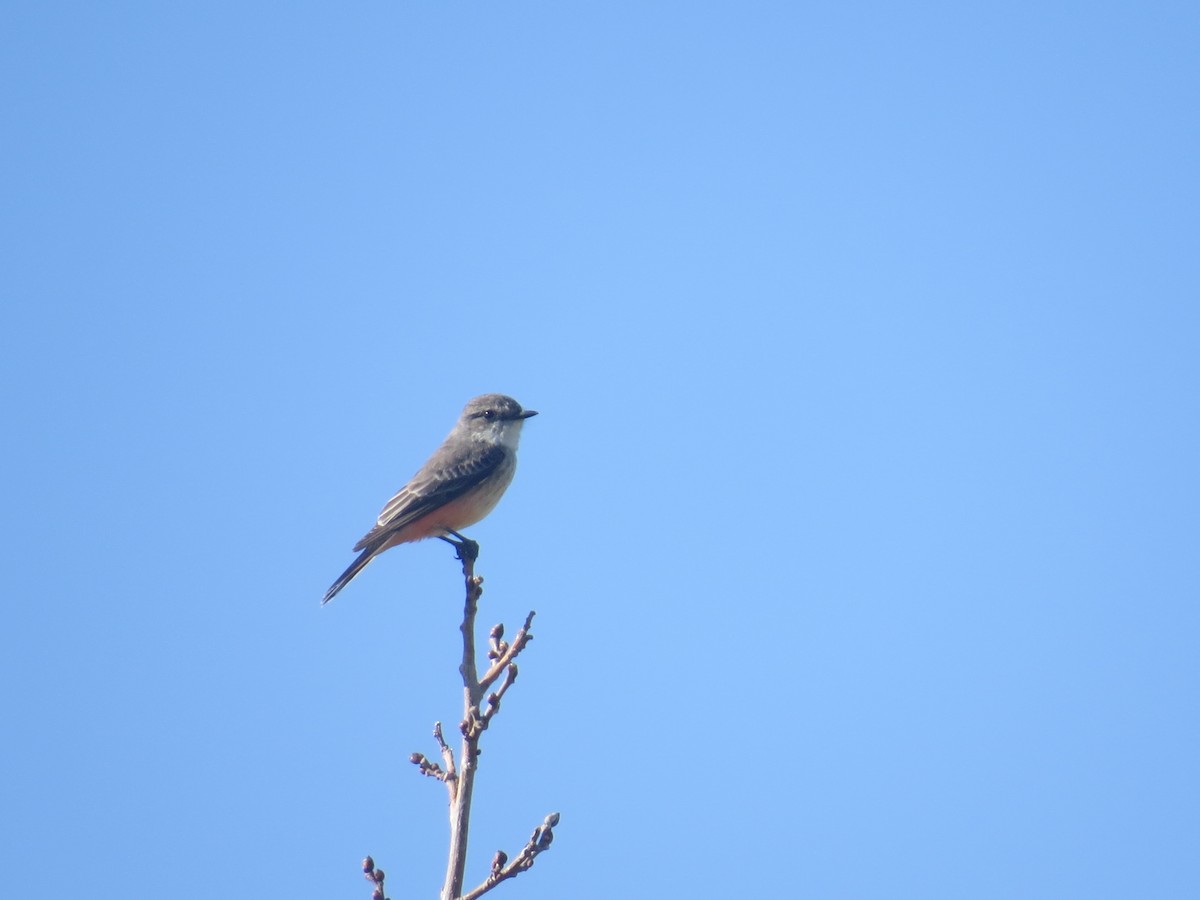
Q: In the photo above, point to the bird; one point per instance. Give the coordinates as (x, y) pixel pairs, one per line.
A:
(459, 484)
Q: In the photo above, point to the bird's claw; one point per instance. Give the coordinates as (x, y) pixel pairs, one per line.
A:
(465, 549)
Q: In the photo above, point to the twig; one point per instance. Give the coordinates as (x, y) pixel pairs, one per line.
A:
(447, 757)
(502, 870)
(432, 769)
(460, 796)
(460, 779)
(375, 876)
(493, 700)
(509, 654)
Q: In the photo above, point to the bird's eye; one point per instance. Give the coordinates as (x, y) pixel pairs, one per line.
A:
(489, 414)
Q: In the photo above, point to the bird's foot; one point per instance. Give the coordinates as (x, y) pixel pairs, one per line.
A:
(465, 549)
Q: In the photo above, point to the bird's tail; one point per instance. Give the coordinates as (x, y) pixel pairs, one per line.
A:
(346, 577)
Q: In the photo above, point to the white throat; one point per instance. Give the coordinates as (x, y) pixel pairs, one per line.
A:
(505, 433)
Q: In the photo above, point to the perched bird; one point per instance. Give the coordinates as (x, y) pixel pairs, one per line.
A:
(459, 485)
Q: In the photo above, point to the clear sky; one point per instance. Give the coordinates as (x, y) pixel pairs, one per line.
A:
(861, 515)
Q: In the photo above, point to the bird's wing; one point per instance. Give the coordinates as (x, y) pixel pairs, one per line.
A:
(430, 490)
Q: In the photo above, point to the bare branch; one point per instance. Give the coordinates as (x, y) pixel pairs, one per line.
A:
(460, 801)
(493, 700)
(502, 870)
(432, 769)
(448, 758)
(510, 653)
(449, 775)
(460, 780)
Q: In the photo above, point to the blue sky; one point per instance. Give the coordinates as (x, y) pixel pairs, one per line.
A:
(860, 518)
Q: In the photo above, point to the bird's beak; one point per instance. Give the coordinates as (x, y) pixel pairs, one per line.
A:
(527, 413)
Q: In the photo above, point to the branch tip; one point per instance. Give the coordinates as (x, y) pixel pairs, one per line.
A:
(375, 876)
